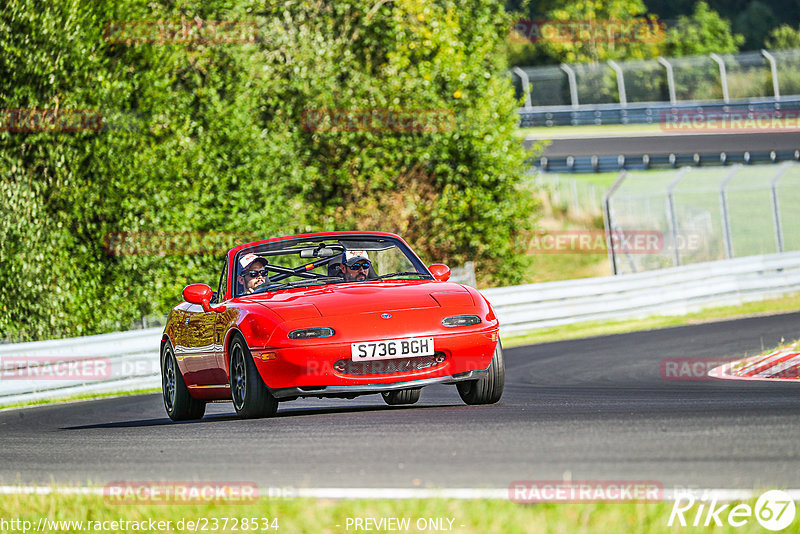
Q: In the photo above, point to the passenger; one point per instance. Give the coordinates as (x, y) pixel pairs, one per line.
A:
(253, 273)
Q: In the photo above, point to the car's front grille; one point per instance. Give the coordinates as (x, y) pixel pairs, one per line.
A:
(399, 365)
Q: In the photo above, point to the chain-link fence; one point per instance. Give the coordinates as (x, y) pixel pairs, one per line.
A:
(703, 214)
(748, 75)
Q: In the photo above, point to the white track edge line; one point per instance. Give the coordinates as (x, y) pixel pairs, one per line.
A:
(705, 494)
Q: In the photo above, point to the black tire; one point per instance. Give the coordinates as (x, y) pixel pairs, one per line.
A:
(251, 398)
(486, 390)
(179, 403)
(401, 396)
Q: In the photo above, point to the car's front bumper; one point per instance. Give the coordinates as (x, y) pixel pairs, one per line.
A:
(363, 389)
(319, 364)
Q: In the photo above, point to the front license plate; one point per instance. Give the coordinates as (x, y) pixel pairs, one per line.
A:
(392, 348)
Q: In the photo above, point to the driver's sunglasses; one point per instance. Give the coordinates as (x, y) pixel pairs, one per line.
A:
(254, 274)
(357, 266)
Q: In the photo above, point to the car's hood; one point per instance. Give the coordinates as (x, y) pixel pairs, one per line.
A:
(363, 297)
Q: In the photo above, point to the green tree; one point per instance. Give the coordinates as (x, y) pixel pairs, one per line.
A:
(754, 23)
(451, 190)
(617, 29)
(783, 38)
(208, 137)
(701, 34)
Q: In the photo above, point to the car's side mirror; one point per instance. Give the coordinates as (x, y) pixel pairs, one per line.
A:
(440, 271)
(201, 294)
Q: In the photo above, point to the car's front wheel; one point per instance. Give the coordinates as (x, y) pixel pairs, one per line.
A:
(251, 398)
(486, 390)
(180, 405)
(402, 396)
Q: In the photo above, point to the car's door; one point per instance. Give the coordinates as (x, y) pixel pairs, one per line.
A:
(203, 341)
(222, 322)
(200, 358)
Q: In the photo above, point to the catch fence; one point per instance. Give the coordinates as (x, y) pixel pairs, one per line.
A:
(704, 214)
(641, 91)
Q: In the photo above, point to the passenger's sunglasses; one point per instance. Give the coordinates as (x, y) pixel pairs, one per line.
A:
(254, 274)
(357, 266)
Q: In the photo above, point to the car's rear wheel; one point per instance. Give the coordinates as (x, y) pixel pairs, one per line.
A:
(251, 398)
(486, 390)
(180, 405)
(401, 396)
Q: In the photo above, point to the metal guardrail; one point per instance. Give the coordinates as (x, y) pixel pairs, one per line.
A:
(58, 368)
(129, 360)
(673, 291)
(647, 112)
(672, 160)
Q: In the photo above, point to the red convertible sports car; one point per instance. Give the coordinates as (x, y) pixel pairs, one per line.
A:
(335, 314)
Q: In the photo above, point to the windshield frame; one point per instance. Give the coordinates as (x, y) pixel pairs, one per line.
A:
(337, 240)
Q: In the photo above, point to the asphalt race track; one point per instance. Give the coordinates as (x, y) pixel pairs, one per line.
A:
(597, 408)
(606, 145)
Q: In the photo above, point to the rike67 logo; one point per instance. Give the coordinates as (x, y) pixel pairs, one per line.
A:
(774, 510)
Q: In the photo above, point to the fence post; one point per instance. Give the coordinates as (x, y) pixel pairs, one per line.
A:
(723, 76)
(573, 84)
(773, 68)
(623, 97)
(670, 79)
(526, 84)
(673, 220)
(775, 209)
(726, 221)
(573, 190)
(607, 220)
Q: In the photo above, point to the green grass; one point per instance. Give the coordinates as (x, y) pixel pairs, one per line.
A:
(553, 267)
(80, 397)
(604, 180)
(790, 303)
(318, 516)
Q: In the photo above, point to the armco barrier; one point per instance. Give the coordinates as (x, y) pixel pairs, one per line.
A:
(643, 162)
(41, 369)
(646, 112)
(133, 356)
(672, 291)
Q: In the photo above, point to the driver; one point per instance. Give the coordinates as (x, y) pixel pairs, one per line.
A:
(356, 265)
(253, 273)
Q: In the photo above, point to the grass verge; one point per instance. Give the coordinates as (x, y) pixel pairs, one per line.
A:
(80, 397)
(552, 132)
(790, 303)
(91, 513)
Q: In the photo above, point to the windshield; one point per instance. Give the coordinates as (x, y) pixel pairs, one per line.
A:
(320, 261)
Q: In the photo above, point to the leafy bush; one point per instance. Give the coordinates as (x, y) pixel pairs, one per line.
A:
(208, 136)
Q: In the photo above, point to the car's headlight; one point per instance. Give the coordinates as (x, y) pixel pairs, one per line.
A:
(461, 320)
(311, 333)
